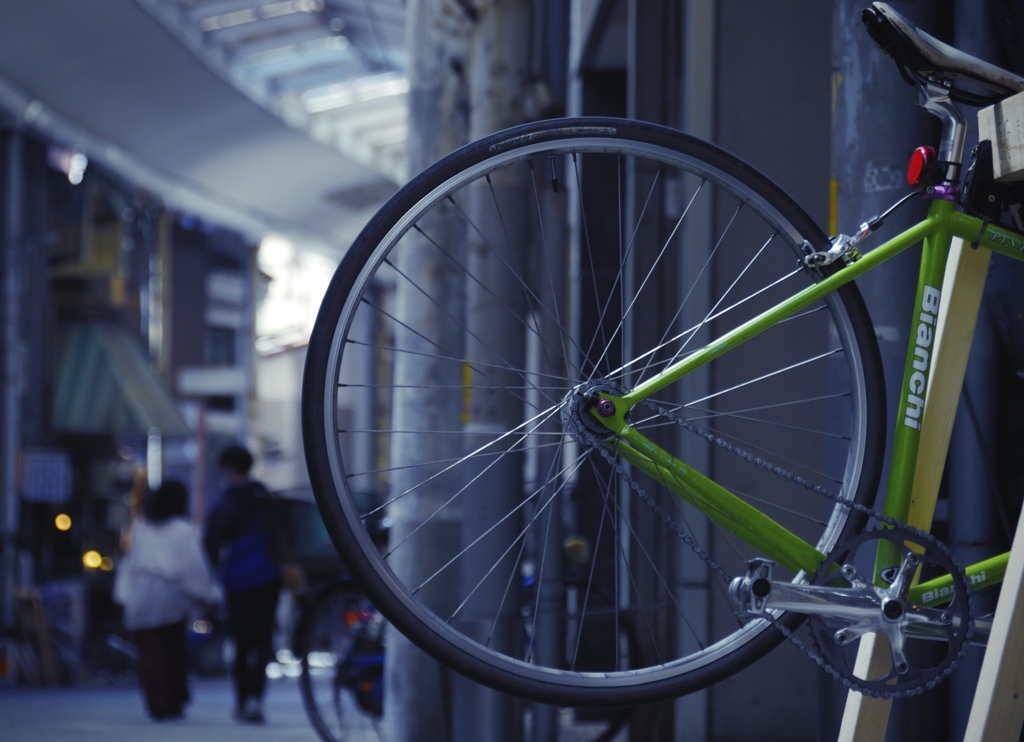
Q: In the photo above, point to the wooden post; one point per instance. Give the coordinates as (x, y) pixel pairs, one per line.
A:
(866, 718)
(998, 710)
(1003, 125)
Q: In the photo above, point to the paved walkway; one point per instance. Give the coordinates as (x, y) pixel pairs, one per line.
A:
(117, 715)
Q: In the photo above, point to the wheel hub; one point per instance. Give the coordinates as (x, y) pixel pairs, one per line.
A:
(582, 402)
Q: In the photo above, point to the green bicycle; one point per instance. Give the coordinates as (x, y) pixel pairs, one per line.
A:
(608, 332)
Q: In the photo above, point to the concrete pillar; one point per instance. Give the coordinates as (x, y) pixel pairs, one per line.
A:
(499, 67)
(417, 688)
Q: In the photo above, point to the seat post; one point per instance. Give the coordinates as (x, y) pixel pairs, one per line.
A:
(935, 99)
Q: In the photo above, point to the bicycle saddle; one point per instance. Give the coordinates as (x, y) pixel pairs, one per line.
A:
(923, 58)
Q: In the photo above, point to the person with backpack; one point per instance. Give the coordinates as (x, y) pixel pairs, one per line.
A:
(246, 543)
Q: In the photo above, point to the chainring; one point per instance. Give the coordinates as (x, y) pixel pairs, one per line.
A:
(924, 643)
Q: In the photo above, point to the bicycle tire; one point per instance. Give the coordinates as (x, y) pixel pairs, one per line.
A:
(441, 336)
(326, 637)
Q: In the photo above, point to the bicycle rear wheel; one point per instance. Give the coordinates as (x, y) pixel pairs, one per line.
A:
(342, 665)
(448, 350)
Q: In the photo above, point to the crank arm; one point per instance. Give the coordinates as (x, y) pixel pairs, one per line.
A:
(756, 594)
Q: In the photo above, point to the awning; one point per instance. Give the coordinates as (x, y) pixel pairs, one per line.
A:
(107, 79)
(105, 385)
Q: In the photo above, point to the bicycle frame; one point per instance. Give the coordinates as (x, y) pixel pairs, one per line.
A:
(935, 232)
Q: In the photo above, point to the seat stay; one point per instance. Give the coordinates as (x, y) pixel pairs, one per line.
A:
(773, 316)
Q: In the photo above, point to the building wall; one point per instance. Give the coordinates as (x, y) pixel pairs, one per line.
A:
(773, 109)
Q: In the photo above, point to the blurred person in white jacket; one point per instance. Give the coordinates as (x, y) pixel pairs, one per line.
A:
(163, 575)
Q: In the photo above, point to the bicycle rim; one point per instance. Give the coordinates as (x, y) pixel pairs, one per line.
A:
(444, 358)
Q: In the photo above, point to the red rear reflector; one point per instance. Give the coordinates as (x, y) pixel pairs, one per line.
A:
(921, 163)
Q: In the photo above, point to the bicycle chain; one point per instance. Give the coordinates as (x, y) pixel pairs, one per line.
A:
(594, 443)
